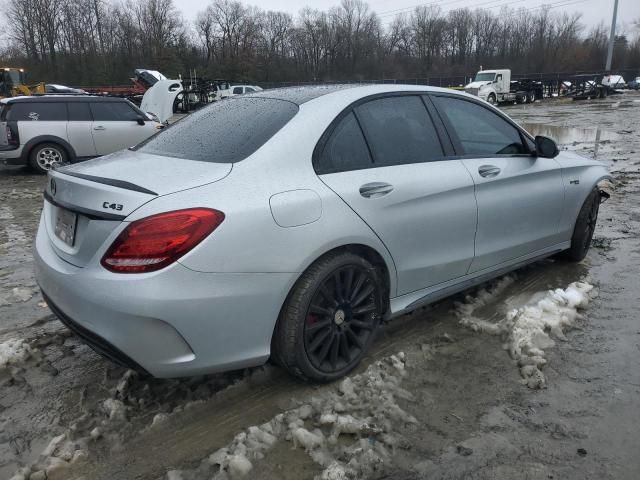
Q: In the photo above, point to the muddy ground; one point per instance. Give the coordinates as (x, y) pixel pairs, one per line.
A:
(452, 405)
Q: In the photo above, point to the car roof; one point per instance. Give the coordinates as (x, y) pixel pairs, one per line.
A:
(61, 99)
(351, 92)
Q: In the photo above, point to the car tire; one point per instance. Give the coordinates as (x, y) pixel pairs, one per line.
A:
(319, 336)
(45, 155)
(584, 228)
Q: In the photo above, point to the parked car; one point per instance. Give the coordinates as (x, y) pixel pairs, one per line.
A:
(49, 130)
(634, 84)
(324, 211)
(239, 90)
(62, 89)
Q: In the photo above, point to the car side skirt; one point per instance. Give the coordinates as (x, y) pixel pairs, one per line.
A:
(411, 301)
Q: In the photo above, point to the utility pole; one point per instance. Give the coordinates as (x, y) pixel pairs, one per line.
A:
(612, 38)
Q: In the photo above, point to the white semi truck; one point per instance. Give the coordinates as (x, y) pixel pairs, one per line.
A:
(495, 86)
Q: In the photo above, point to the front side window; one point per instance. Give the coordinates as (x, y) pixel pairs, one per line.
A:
(399, 131)
(38, 112)
(206, 134)
(113, 112)
(237, 90)
(345, 150)
(480, 132)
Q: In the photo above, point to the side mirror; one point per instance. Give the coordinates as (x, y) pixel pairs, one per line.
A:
(140, 120)
(546, 148)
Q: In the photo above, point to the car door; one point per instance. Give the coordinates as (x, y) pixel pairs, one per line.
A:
(520, 196)
(115, 126)
(386, 161)
(79, 129)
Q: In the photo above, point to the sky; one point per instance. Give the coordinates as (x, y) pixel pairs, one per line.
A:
(594, 11)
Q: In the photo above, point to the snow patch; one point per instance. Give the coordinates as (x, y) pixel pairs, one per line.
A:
(348, 430)
(14, 352)
(529, 330)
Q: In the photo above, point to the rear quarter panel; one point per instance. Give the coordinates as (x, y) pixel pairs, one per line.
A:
(29, 130)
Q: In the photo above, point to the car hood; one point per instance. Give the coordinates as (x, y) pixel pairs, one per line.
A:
(157, 174)
(477, 84)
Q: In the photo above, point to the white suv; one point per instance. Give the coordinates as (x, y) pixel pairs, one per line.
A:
(43, 131)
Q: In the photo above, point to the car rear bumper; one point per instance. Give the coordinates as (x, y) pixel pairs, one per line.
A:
(172, 323)
(12, 155)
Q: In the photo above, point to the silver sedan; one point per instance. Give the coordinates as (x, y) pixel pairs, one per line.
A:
(289, 223)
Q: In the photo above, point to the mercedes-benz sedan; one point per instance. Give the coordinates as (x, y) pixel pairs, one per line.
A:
(289, 223)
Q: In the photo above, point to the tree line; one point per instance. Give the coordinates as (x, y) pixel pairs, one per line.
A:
(90, 42)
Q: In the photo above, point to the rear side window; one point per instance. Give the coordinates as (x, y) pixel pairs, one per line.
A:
(113, 112)
(35, 111)
(345, 150)
(3, 112)
(223, 132)
(480, 131)
(79, 112)
(399, 131)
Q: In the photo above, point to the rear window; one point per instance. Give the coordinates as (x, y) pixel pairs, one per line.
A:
(224, 132)
(35, 111)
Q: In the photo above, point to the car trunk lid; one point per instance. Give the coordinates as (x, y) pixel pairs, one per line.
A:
(86, 203)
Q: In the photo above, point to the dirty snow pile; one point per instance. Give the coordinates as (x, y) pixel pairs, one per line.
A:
(14, 352)
(348, 430)
(103, 422)
(55, 460)
(528, 330)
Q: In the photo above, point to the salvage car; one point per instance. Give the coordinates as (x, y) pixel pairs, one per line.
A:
(42, 132)
(322, 213)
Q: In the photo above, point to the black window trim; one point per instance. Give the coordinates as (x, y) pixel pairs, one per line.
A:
(445, 142)
(453, 137)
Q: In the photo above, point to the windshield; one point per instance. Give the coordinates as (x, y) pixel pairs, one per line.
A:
(227, 131)
(485, 77)
(12, 77)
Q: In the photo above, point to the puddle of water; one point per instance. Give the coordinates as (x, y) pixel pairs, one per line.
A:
(570, 135)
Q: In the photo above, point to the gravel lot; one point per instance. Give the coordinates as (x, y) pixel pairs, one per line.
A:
(451, 405)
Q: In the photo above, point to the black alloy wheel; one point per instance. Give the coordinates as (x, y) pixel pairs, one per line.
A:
(341, 318)
(330, 317)
(584, 228)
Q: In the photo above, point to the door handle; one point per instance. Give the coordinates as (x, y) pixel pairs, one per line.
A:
(100, 127)
(375, 189)
(488, 171)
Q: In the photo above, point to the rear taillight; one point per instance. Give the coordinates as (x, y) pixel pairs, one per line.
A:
(154, 242)
(12, 136)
